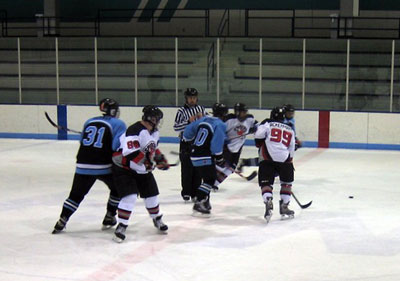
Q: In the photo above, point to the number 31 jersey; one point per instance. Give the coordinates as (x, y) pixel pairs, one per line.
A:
(100, 137)
(279, 139)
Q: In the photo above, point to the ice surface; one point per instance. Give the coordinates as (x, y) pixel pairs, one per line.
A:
(337, 238)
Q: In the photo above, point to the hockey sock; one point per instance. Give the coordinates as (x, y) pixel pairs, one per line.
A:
(266, 192)
(125, 208)
(152, 206)
(69, 208)
(203, 191)
(112, 204)
(286, 192)
(222, 174)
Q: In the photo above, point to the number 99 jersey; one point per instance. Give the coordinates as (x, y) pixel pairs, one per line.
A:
(100, 137)
(279, 139)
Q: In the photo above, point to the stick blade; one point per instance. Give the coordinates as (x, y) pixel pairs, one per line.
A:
(252, 176)
(306, 205)
(50, 121)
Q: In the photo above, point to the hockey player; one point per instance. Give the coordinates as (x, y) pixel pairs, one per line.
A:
(289, 119)
(133, 166)
(207, 136)
(238, 126)
(276, 141)
(100, 137)
(187, 114)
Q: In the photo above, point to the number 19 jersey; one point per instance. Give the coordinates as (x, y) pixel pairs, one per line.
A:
(279, 141)
(100, 137)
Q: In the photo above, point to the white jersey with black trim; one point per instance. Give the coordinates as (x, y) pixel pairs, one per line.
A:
(237, 130)
(279, 140)
(138, 145)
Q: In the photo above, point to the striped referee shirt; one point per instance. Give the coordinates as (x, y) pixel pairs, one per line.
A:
(183, 115)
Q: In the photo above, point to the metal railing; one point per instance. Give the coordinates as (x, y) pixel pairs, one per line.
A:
(196, 23)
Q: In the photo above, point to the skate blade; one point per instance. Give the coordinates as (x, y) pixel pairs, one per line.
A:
(200, 215)
(287, 217)
(117, 239)
(164, 232)
(106, 227)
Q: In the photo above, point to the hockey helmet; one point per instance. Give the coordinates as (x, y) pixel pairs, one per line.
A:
(278, 113)
(238, 108)
(219, 110)
(289, 111)
(191, 92)
(109, 107)
(152, 114)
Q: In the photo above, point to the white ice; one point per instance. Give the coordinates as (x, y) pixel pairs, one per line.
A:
(337, 238)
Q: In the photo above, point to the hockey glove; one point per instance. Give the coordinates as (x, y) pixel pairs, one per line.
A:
(298, 144)
(219, 161)
(252, 130)
(161, 161)
(149, 165)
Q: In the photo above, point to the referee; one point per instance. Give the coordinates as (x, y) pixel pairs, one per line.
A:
(190, 180)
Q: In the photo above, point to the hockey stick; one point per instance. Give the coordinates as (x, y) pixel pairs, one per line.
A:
(298, 202)
(58, 126)
(249, 177)
(169, 165)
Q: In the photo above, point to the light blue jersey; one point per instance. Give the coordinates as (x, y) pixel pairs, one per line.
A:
(207, 135)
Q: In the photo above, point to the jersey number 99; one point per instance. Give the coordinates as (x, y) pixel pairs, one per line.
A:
(279, 135)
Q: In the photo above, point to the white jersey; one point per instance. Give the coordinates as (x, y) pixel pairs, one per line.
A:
(236, 131)
(279, 141)
(137, 146)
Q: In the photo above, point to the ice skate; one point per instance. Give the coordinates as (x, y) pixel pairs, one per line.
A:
(159, 224)
(201, 208)
(215, 188)
(186, 198)
(269, 206)
(119, 234)
(109, 221)
(60, 225)
(284, 210)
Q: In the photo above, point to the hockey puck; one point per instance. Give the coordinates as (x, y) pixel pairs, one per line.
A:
(351, 197)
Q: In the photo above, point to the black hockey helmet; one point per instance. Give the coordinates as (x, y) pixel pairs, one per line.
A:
(191, 92)
(278, 113)
(289, 111)
(219, 110)
(238, 108)
(152, 114)
(109, 107)
(289, 108)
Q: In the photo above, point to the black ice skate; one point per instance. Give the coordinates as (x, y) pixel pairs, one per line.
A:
(207, 204)
(186, 198)
(109, 221)
(159, 224)
(284, 210)
(201, 207)
(60, 225)
(119, 234)
(269, 206)
(215, 188)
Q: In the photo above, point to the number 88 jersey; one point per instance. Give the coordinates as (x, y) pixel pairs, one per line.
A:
(100, 137)
(279, 139)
